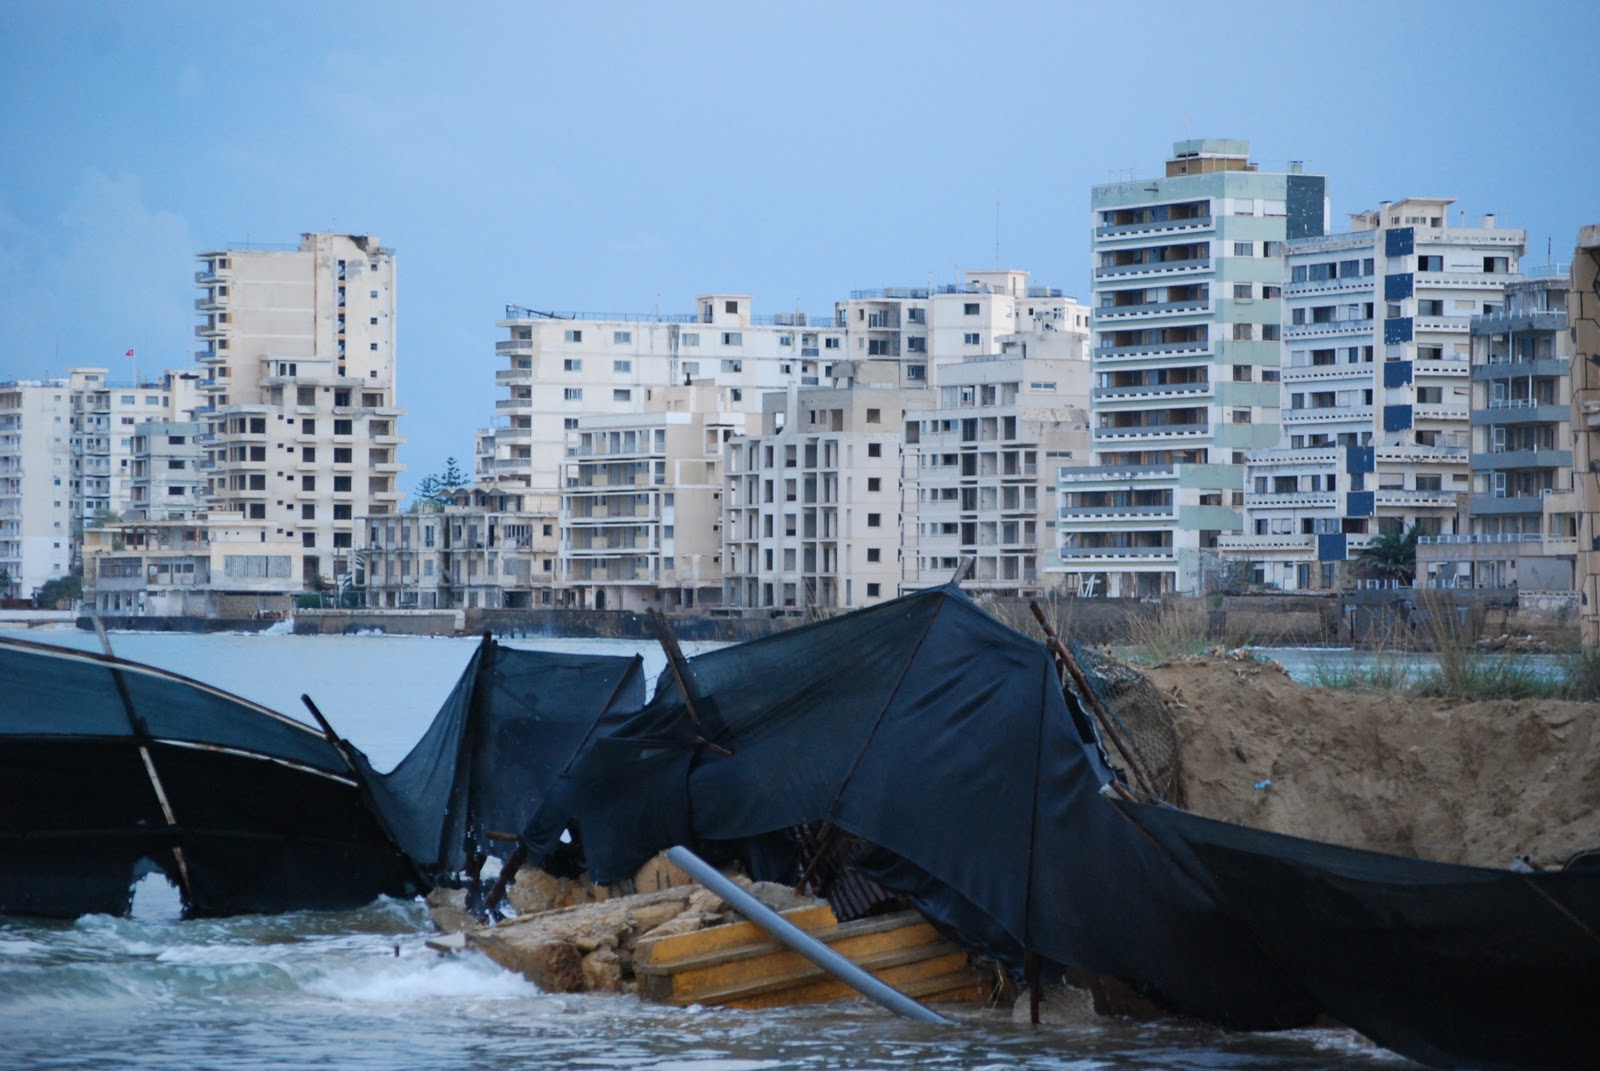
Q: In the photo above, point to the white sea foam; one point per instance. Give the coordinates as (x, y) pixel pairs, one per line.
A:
(412, 978)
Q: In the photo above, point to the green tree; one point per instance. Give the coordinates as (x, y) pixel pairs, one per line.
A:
(433, 490)
(1392, 556)
(63, 590)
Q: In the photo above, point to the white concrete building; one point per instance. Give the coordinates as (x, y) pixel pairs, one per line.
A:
(563, 366)
(1522, 531)
(812, 512)
(1376, 389)
(491, 546)
(36, 504)
(167, 479)
(920, 329)
(212, 565)
(300, 382)
(1187, 272)
(641, 501)
(980, 470)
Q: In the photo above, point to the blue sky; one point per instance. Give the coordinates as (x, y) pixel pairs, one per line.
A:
(607, 157)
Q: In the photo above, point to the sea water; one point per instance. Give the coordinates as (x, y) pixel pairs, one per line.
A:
(359, 989)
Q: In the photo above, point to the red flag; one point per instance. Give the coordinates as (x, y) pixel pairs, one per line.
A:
(128, 354)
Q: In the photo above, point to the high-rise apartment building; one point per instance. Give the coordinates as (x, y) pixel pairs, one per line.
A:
(561, 367)
(1186, 325)
(1583, 319)
(812, 512)
(37, 514)
(641, 501)
(980, 470)
(299, 387)
(1376, 389)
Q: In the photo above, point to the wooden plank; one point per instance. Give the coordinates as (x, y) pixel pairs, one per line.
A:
(904, 970)
(722, 951)
(731, 935)
(871, 951)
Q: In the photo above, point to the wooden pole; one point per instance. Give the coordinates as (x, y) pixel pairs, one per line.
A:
(679, 666)
(1102, 715)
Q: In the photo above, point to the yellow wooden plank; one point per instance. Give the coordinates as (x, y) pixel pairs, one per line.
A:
(728, 936)
(737, 973)
(917, 979)
(908, 924)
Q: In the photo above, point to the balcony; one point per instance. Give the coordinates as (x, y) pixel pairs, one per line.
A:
(1165, 390)
(1291, 499)
(1254, 544)
(1114, 512)
(1327, 328)
(1349, 285)
(1500, 504)
(1165, 267)
(1118, 554)
(513, 404)
(1192, 431)
(1521, 411)
(520, 377)
(1327, 413)
(1153, 308)
(1417, 499)
(1509, 460)
(1151, 349)
(1168, 226)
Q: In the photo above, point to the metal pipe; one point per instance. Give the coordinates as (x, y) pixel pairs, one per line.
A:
(794, 937)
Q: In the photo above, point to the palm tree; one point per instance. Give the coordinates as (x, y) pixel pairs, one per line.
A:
(1392, 556)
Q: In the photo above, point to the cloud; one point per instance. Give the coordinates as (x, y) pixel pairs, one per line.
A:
(107, 273)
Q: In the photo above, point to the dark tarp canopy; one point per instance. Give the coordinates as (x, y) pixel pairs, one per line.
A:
(507, 731)
(942, 737)
(1453, 966)
(110, 769)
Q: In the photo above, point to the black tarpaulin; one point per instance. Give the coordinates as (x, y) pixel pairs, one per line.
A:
(507, 731)
(938, 734)
(1453, 966)
(110, 769)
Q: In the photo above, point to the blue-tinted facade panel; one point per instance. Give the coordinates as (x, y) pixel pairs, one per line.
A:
(1397, 329)
(1396, 373)
(1360, 504)
(1303, 205)
(1399, 242)
(1332, 547)
(1396, 417)
(1360, 458)
(1397, 287)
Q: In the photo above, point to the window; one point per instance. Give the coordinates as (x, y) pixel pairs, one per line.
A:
(308, 539)
(1244, 206)
(372, 346)
(573, 394)
(308, 453)
(341, 512)
(307, 426)
(874, 416)
(1270, 332)
(372, 293)
(733, 338)
(174, 463)
(341, 455)
(1497, 265)
(342, 427)
(1430, 263)
(1243, 291)
(1242, 373)
(874, 449)
(830, 343)
(572, 335)
(872, 590)
(733, 366)
(572, 364)
(970, 338)
(731, 308)
(874, 520)
(1244, 332)
(874, 554)
(622, 394)
(569, 423)
(621, 366)
(970, 308)
(308, 512)
(1241, 416)
(341, 484)
(308, 483)
(1272, 249)
(621, 338)
(1271, 293)
(917, 344)
(691, 338)
(1430, 307)
(1244, 249)
(874, 483)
